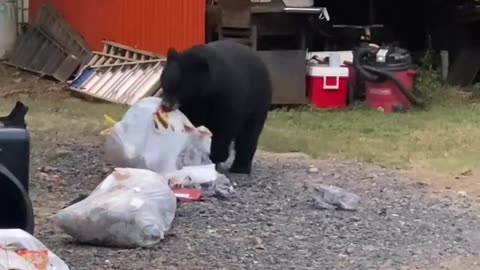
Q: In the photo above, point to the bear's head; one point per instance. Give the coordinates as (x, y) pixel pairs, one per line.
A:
(184, 77)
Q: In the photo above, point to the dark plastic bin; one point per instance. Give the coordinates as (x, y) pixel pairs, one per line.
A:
(15, 205)
(16, 209)
(15, 153)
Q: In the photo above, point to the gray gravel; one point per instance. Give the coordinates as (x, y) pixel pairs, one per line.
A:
(270, 223)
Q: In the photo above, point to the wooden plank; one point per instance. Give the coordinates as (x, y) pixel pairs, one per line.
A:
(126, 58)
(125, 47)
(128, 63)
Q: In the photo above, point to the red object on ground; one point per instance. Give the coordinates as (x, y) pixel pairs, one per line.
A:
(190, 194)
(386, 95)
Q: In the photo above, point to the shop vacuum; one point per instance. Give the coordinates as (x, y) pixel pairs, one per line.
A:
(15, 204)
(387, 75)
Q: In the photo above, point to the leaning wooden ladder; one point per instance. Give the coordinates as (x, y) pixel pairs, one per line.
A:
(120, 74)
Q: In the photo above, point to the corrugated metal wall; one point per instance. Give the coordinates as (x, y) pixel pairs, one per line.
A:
(152, 25)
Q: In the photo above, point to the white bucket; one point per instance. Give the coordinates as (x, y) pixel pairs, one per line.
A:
(8, 26)
(344, 55)
(334, 59)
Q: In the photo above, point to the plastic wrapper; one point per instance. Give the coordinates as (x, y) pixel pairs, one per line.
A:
(331, 197)
(19, 250)
(130, 208)
(203, 177)
(138, 141)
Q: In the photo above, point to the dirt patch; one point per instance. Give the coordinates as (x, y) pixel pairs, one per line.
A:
(458, 263)
(16, 83)
(466, 183)
(461, 263)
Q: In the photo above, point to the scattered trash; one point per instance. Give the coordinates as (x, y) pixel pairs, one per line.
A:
(205, 178)
(120, 74)
(331, 197)
(130, 208)
(21, 251)
(110, 123)
(220, 188)
(464, 174)
(312, 169)
(259, 243)
(189, 194)
(10, 259)
(192, 176)
(135, 141)
(468, 172)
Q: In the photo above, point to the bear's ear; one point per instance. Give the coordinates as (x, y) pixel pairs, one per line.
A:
(172, 54)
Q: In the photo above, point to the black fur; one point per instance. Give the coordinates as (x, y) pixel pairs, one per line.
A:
(226, 87)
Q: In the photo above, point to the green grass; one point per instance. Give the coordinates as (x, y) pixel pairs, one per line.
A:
(445, 137)
(65, 119)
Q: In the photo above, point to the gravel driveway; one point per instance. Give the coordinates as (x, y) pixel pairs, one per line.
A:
(270, 223)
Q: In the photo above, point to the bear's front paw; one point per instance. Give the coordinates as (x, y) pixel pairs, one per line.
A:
(220, 168)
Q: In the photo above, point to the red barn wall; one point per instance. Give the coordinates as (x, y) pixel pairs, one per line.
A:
(152, 25)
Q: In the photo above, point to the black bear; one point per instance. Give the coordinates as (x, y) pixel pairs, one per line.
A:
(226, 87)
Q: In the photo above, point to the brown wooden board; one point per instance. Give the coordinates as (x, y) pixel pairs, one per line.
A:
(288, 74)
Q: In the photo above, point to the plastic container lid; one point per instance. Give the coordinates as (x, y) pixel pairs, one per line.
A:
(327, 71)
(344, 55)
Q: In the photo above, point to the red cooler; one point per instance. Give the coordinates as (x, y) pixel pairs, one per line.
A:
(327, 87)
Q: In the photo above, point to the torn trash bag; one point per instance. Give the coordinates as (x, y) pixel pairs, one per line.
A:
(138, 141)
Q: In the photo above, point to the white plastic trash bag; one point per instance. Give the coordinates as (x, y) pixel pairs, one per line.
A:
(191, 176)
(20, 250)
(136, 142)
(203, 177)
(130, 208)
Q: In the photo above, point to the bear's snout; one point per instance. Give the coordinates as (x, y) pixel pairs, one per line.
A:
(168, 107)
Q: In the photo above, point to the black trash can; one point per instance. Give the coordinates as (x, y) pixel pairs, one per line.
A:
(16, 209)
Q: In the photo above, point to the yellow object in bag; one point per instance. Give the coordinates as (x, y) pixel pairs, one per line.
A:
(161, 119)
(110, 122)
